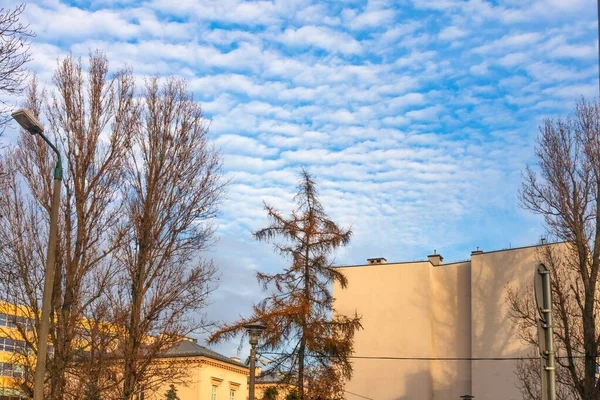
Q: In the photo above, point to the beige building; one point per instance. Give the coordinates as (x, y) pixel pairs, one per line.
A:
(213, 376)
(210, 375)
(416, 313)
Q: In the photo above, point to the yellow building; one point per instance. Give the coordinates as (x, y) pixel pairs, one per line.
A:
(210, 375)
(274, 383)
(12, 349)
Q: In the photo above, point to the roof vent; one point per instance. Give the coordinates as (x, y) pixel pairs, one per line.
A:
(478, 251)
(378, 260)
(435, 259)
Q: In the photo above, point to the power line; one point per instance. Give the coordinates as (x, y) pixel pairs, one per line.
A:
(434, 358)
(358, 395)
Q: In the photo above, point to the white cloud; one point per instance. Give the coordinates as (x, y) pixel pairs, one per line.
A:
(407, 118)
(427, 113)
(320, 37)
(368, 19)
(451, 33)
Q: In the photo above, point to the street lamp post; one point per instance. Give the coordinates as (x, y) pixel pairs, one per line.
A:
(33, 126)
(254, 331)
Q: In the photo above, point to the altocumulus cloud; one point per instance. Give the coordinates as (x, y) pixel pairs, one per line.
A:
(416, 117)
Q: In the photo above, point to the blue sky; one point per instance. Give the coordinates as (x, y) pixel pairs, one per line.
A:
(416, 117)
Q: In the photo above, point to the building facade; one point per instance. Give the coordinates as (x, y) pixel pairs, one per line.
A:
(14, 321)
(432, 329)
(210, 375)
(205, 374)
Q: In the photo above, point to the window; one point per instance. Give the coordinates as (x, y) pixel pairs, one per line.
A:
(213, 395)
(11, 370)
(231, 394)
(12, 321)
(25, 323)
(10, 345)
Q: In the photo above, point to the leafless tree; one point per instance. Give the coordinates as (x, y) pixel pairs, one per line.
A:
(173, 187)
(565, 191)
(89, 117)
(141, 187)
(309, 339)
(14, 53)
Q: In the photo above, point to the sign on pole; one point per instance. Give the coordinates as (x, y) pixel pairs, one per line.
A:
(543, 300)
(538, 287)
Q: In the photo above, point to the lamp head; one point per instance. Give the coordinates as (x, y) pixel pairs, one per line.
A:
(27, 121)
(254, 330)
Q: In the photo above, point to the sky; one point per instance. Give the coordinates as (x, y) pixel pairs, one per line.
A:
(416, 118)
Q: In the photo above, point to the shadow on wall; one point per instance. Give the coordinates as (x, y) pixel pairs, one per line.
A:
(451, 330)
(493, 332)
(414, 391)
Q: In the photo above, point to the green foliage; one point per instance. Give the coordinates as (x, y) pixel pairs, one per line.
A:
(172, 393)
(293, 395)
(270, 394)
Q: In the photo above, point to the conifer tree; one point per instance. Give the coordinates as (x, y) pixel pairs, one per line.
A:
(172, 393)
(304, 334)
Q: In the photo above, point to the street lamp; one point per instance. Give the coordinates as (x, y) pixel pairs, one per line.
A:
(254, 330)
(28, 122)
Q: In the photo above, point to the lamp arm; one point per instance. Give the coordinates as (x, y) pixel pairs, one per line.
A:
(58, 171)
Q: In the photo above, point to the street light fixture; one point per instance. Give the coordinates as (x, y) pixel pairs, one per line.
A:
(254, 330)
(30, 123)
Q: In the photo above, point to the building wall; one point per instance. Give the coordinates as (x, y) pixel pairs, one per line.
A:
(394, 301)
(418, 309)
(203, 373)
(493, 334)
(451, 329)
(12, 347)
(282, 390)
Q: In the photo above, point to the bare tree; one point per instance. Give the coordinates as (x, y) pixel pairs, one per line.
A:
(173, 189)
(566, 191)
(89, 116)
(305, 337)
(141, 187)
(14, 53)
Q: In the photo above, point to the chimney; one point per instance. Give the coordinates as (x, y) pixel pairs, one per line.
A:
(379, 260)
(542, 240)
(435, 259)
(475, 252)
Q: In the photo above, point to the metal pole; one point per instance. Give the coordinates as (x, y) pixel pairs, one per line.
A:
(252, 372)
(549, 335)
(42, 346)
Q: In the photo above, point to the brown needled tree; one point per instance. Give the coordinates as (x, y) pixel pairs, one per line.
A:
(566, 192)
(305, 338)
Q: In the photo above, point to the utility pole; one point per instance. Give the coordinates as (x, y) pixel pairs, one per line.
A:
(543, 298)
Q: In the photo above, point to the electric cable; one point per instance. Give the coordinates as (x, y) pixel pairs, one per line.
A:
(431, 358)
